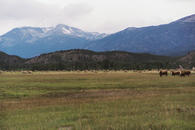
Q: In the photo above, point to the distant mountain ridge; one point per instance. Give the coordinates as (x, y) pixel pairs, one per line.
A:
(174, 39)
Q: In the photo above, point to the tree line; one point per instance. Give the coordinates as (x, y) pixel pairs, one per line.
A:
(100, 65)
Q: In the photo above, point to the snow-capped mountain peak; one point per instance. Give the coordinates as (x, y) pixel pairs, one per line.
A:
(24, 40)
(31, 34)
(75, 32)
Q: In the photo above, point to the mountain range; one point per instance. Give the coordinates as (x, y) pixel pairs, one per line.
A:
(174, 39)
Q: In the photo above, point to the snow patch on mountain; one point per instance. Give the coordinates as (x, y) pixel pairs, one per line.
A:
(46, 30)
(75, 32)
(66, 31)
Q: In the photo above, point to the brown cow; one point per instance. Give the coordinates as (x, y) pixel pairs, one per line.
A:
(184, 73)
(175, 73)
(163, 72)
(188, 73)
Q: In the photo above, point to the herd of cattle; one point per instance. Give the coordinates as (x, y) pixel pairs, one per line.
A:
(181, 73)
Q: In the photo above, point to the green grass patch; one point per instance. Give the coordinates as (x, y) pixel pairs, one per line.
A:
(94, 101)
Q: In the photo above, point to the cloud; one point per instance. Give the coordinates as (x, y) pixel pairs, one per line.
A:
(77, 10)
(92, 15)
(23, 9)
(27, 9)
(36, 13)
(182, 0)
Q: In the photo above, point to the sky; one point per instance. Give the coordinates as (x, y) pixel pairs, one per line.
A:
(104, 16)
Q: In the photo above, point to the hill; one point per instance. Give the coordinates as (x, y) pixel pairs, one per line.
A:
(78, 59)
(10, 61)
(85, 59)
(79, 55)
(188, 60)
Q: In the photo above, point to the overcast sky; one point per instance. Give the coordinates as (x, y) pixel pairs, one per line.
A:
(106, 16)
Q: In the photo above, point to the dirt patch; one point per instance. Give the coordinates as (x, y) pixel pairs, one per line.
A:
(94, 93)
(86, 96)
(66, 128)
(187, 109)
(77, 98)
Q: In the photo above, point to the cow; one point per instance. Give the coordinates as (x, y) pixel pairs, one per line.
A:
(163, 72)
(175, 73)
(187, 72)
(184, 73)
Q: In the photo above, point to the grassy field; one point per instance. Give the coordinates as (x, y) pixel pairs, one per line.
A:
(96, 101)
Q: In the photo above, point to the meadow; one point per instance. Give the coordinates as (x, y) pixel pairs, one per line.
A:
(98, 100)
